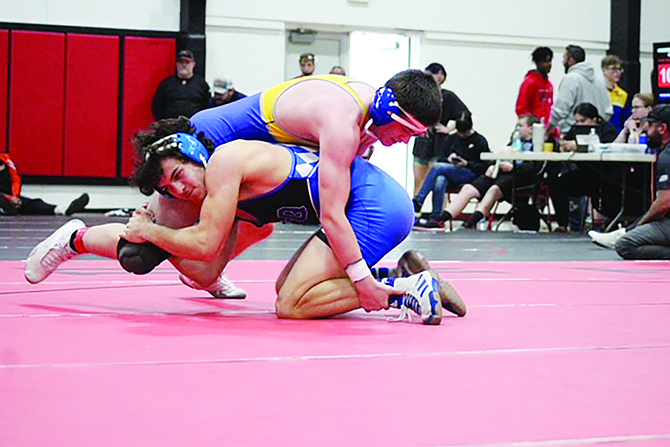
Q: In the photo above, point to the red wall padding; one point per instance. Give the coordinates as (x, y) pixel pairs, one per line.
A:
(4, 66)
(37, 96)
(91, 104)
(147, 62)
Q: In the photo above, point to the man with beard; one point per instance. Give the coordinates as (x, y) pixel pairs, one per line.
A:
(649, 237)
(581, 84)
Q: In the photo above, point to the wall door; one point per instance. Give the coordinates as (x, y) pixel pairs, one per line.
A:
(330, 49)
(376, 57)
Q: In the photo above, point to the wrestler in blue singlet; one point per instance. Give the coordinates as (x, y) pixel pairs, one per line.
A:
(253, 117)
(379, 209)
(239, 120)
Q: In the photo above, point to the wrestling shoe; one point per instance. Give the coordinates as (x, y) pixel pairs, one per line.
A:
(422, 297)
(413, 262)
(607, 240)
(45, 258)
(222, 288)
(77, 205)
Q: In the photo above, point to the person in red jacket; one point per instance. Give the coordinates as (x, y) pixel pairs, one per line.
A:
(12, 202)
(536, 95)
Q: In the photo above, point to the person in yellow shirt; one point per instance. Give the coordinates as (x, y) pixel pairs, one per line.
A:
(612, 70)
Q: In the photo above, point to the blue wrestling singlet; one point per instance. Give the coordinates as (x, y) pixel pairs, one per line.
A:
(239, 120)
(253, 117)
(292, 201)
(379, 209)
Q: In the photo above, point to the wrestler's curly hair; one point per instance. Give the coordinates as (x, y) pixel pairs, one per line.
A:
(148, 171)
(418, 93)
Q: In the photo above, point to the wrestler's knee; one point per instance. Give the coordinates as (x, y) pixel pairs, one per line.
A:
(139, 259)
(287, 307)
(172, 213)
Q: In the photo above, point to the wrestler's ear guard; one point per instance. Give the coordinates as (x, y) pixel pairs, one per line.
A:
(383, 105)
(187, 144)
(192, 148)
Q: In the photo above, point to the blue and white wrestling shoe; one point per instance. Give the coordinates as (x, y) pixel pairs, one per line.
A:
(413, 262)
(421, 296)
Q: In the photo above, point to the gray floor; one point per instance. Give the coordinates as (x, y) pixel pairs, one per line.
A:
(19, 234)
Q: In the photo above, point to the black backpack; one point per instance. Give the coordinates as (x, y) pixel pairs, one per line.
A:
(526, 216)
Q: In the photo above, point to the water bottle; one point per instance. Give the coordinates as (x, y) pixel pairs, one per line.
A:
(538, 137)
(516, 141)
(594, 141)
(633, 136)
(643, 139)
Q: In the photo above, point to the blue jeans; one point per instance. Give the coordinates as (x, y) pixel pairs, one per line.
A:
(442, 177)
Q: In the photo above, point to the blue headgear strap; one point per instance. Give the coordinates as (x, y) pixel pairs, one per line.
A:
(383, 105)
(192, 148)
(187, 144)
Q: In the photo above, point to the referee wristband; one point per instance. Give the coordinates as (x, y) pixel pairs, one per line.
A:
(358, 270)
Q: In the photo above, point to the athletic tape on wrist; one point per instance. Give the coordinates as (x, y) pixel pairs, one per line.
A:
(358, 270)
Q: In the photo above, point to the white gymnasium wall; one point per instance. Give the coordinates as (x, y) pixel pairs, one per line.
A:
(248, 51)
(156, 15)
(509, 17)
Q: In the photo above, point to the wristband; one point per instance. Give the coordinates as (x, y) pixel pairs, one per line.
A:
(358, 270)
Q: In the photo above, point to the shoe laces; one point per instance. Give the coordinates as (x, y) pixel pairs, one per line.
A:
(409, 302)
(222, 285)
(57, 255)
(405, 314)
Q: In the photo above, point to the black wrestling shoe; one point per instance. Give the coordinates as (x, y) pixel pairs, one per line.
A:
(77, 205)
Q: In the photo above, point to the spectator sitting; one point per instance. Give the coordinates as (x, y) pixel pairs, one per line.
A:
(458, 163)
(647, 238)
(587, 115)
(12, 202)
(337, 70)
(224, 92)
(641, 106)
(493, 186)
(612, 70)
(183, 93)
(576, 180)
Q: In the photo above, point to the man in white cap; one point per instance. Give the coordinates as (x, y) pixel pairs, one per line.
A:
(224, 92)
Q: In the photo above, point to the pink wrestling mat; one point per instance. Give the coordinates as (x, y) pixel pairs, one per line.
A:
(550, 354)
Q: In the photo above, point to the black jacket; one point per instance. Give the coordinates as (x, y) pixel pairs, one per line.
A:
(180, 97)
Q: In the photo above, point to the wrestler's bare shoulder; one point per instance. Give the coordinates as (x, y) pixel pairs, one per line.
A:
(249, 155)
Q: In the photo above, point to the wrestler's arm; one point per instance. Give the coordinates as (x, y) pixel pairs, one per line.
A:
(338, 142)
(205, 241)
(658, 209)
(338, 146)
